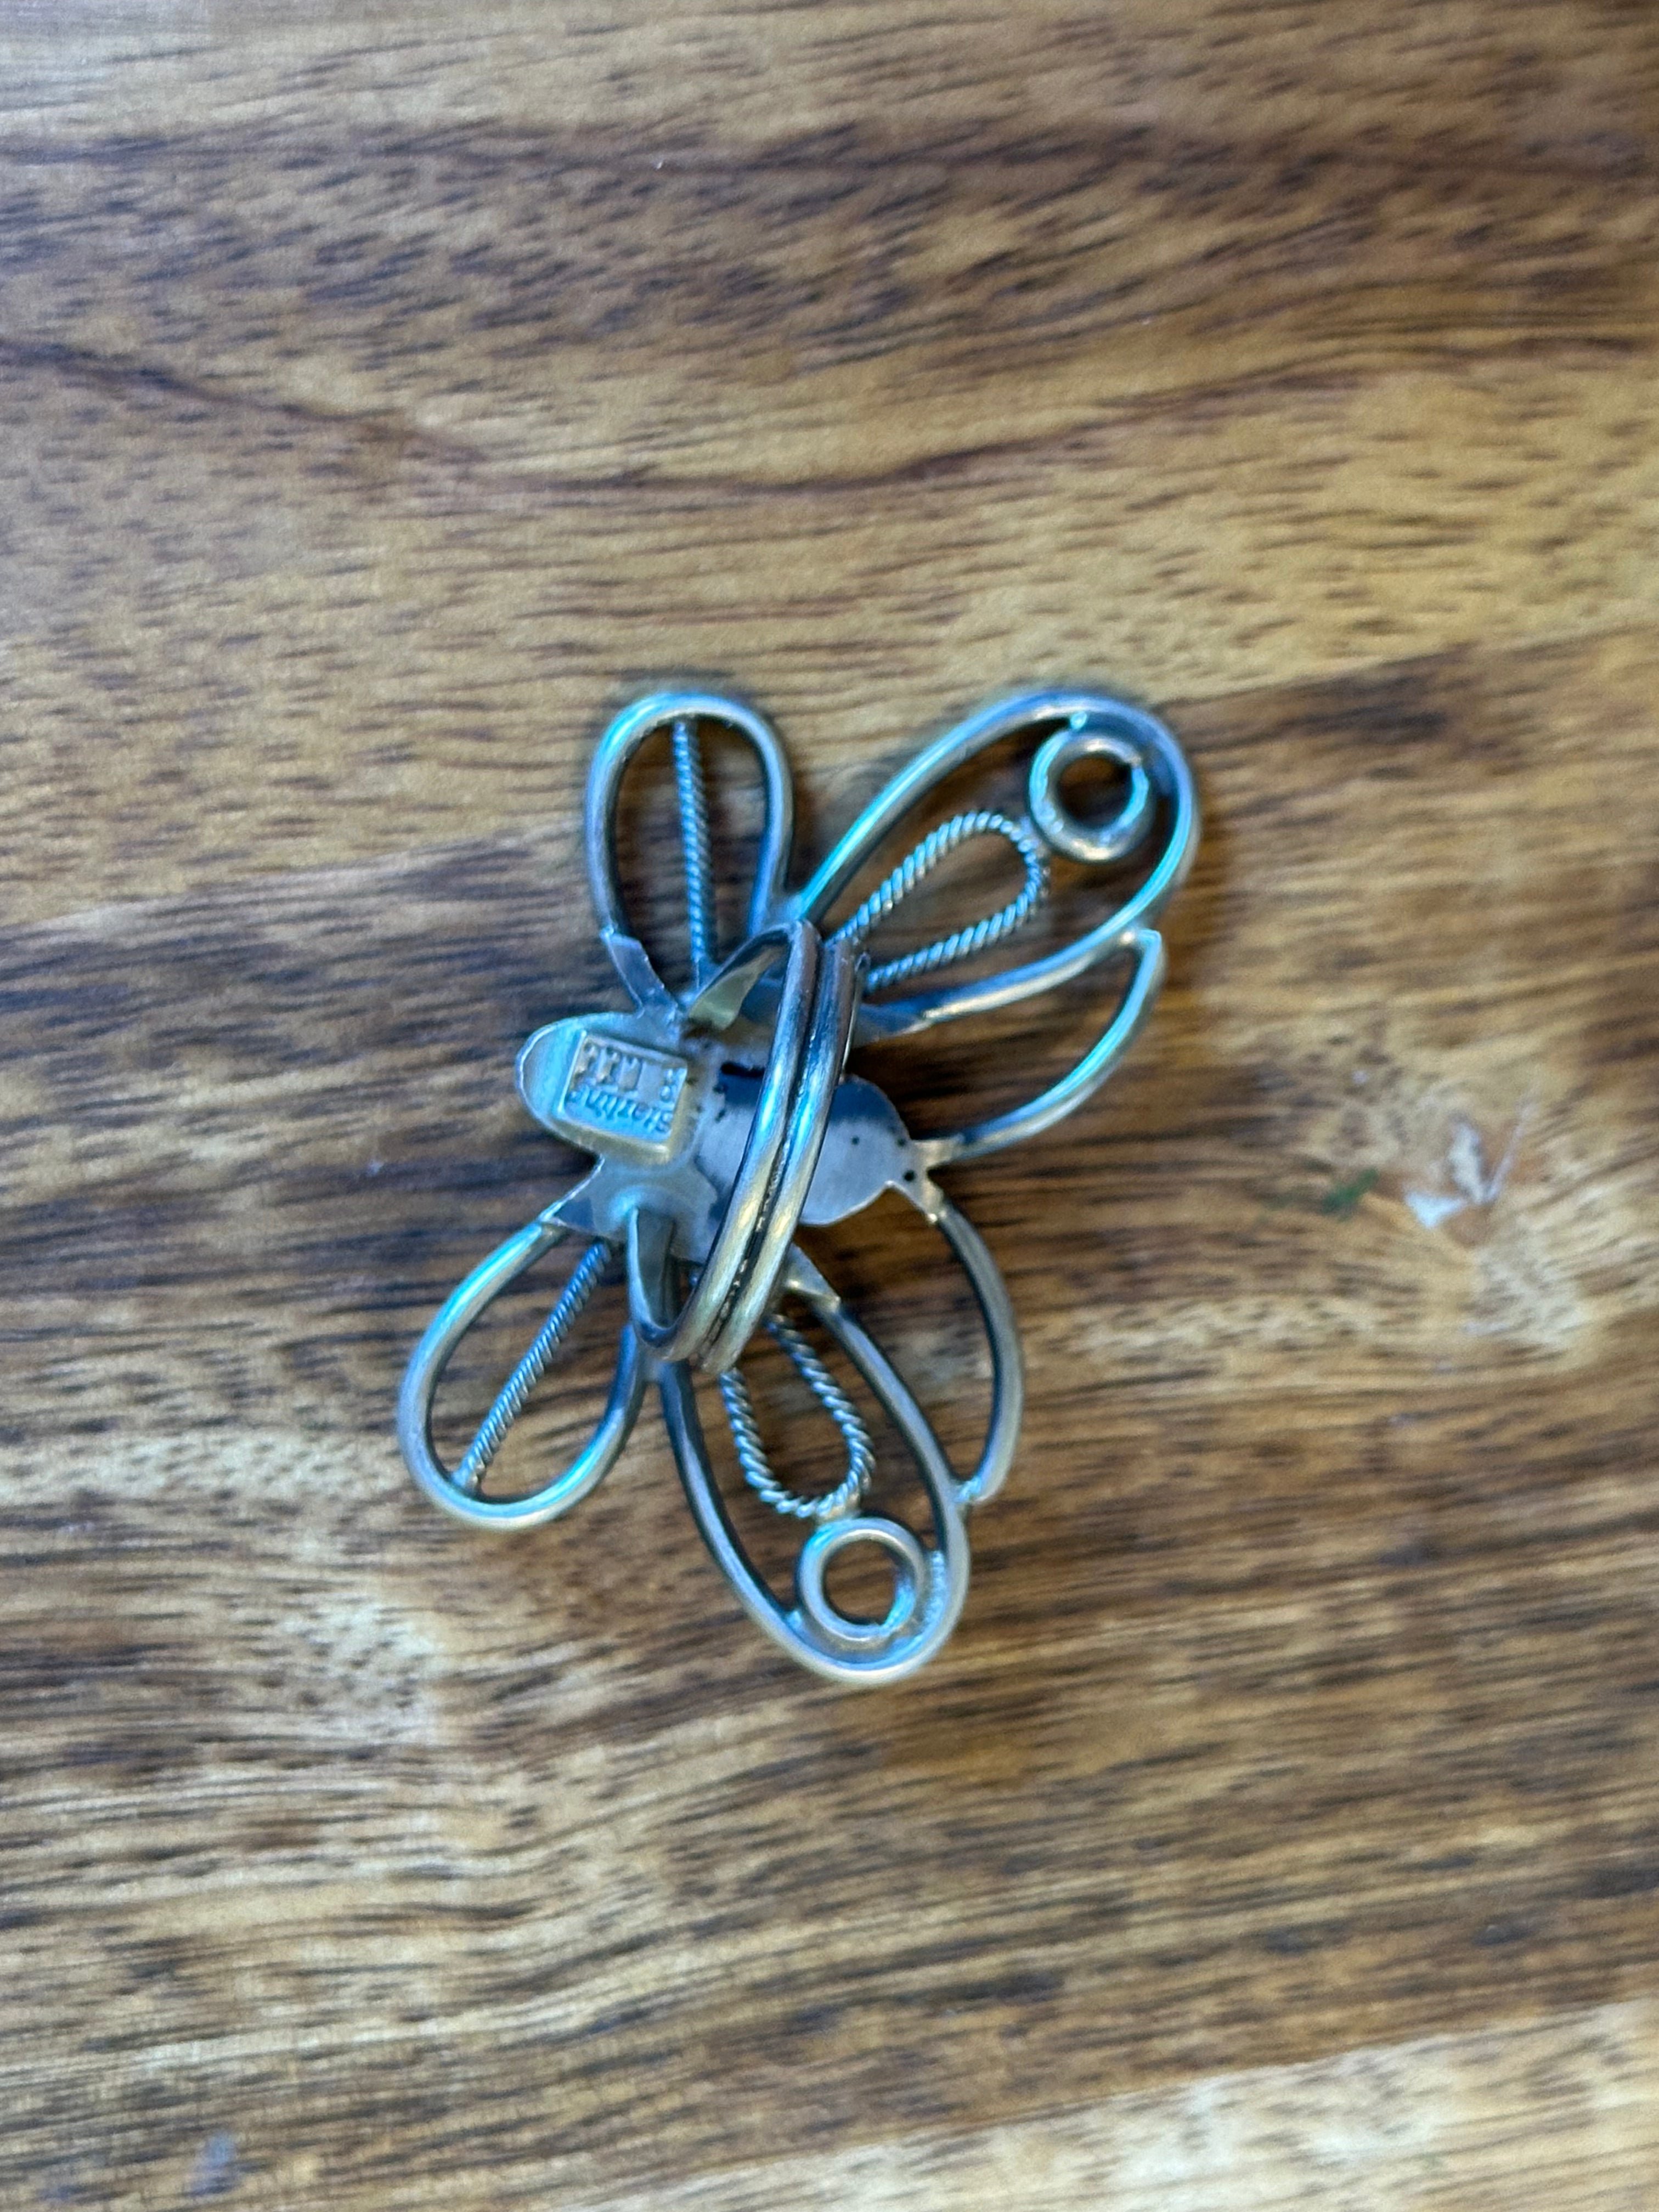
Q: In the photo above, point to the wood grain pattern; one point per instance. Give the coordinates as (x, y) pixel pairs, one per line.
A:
(388, 394)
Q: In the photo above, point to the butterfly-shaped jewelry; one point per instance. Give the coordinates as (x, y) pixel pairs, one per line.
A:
(722, 1119)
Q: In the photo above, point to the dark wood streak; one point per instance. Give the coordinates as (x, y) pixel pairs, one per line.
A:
(377, 415)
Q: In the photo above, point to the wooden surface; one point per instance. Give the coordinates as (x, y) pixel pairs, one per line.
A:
(390, 391)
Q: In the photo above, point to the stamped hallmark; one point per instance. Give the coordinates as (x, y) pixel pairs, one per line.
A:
(607, 1090)
(615, 1087)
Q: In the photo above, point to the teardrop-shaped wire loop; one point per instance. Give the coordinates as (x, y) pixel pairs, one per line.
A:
(931, 1579)
(918, 865)
(758, 1472)
(456, 1490)
(1079, 1083)
(680, 712)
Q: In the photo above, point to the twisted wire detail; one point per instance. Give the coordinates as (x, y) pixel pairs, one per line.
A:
(961, 944)
(509, 1403)
(694, 835)
(751, 1451)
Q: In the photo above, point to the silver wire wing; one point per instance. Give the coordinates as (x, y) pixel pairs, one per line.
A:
(457, 1489)
(682, 713)
(930, 1577)
(1072, 726)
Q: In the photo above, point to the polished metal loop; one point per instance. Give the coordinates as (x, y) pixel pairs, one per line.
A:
(910, 1588)
(680, 712)
(722, 1121)
(1097, 845)
(457, 1491)
(822, 1063)
(788, 1129)
(1145, 947)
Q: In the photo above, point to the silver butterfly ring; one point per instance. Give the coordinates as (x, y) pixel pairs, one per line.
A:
(722, 1119)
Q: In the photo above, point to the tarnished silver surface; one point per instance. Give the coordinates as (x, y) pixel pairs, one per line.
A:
(721, 1119)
